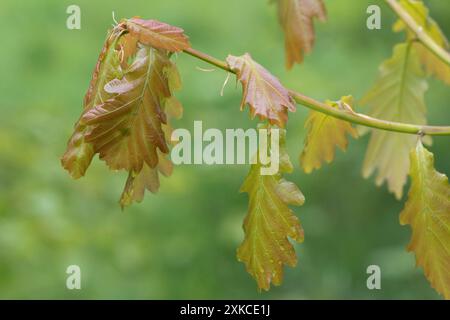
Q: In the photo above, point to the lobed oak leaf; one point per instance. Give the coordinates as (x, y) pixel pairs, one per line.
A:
(398, 95)
(262, 91)
(427, 211)
(297, 20)
(270, 222)
(158, 34)
(324, 134)
(126, 129)
(124, 118)
(420, 13)
(148, 178)
(79, 153)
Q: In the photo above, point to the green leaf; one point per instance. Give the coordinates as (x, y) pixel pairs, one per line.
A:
(420, 13)
(324, 134)
(398, 95)
(427, 211)
(270, 222)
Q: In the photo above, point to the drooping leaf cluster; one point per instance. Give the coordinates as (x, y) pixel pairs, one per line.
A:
(129, 105)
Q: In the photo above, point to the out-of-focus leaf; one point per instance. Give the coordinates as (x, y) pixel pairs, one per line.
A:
(324, 134)
(262, 91)
(158, 35)
(297, 20)
(270, 222)
(427, 211)
(419, 12)
(398, 95)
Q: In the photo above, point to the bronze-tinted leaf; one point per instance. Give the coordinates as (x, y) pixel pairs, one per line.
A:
(158, 35)
(79, 153)
(126, 129)
(145, 179)
(124, 117)
(148, 178)
(262, 91)
(297, 20)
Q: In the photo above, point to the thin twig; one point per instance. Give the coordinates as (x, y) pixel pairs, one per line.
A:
(352, 117)
(420, 33)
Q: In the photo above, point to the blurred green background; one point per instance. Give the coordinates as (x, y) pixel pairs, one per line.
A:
(180, 243)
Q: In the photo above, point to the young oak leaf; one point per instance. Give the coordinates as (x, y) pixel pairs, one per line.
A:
(270, 222)
(157, 34)
(79, 153)
(419, 12)
(127, 129)
(124, 117)
(262, 91)
(427, 211)
(398, 95)
(297, 20)
(324, 134)
(148, 178)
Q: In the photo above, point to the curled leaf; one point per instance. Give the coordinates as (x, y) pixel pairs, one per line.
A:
(126, 129)
(124, 117)
(262, 91)
(158, 34)
(324, 134)
(427, 211)
(297, 20)
(79, 153)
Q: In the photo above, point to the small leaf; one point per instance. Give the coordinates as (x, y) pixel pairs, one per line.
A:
(419, 12)
(398, 95)
(324, 134)
(427, 211)
(297, 20)
(270, 222)
(262, 91)
(158, 35)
